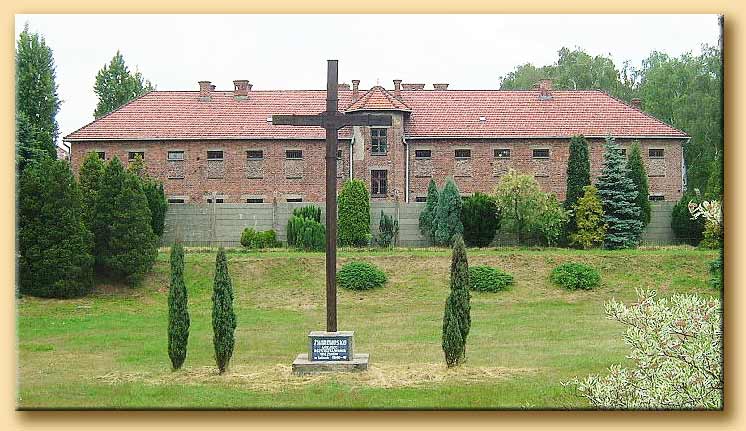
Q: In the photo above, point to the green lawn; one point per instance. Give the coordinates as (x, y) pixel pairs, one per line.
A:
(108, 350)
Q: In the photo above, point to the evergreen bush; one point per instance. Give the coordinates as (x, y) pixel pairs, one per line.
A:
(639, 177)
(90, 175)
(309, 211)
(360, 276)
(481, 219)
(457, 315)
(297, 224)
(578, 175)
(684, 226)
(589, 220)
(618, 195)
(353, 226)
(55, 245)
(125, 243)
(483, 278)
(388, 229)
(157, 203)
(178, 311)
(448, 217)
(427, 215)
(574, 276)
(223, 317)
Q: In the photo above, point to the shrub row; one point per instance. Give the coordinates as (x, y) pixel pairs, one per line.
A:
(262, 239)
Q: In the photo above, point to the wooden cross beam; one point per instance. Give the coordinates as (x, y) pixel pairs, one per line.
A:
(332, 120)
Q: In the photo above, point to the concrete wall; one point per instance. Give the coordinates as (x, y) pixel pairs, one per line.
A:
(222, 224)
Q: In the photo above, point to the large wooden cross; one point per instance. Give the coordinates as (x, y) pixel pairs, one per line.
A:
(332, 120)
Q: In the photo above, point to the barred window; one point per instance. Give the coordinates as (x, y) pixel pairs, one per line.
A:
(623, 152)
(422, 154)
(502, 153)
(133, 154)
(217, 200)
(420, 199)
(255, 154)
(294, 199)
(294, 154)
(378, 182)
(175, 155)
(655, 153)
(215, 155)
(379, 145)
(541, 153)
(462, 153)
(656, 197)
(101, 155)
(176, 200)
(254, 200)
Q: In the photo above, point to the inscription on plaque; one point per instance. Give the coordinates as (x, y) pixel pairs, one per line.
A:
(330, 349)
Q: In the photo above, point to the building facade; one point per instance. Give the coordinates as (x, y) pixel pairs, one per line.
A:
(220, 146)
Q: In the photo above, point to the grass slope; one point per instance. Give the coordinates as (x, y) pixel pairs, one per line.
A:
(109, 350)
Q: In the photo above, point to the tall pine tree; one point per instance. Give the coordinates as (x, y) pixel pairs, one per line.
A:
(427, 216)
(54, 244)
(618, 195)
(457, 315)
(116, 85)
(178, 312)
(37, 102)
(447, 219)
(578, 175)
(223, 317)
(639, 176)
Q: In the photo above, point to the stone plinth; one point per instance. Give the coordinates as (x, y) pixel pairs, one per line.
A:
(330, 352)
(302, 365)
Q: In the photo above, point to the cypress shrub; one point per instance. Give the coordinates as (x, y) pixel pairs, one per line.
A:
(388, 229)
(353, 226)
(55, 245)
(484, 278)
(157, 203)
(125, 243)
(574, 276)
(618, 195)
(427, 216)
(480, 218)
(297, 223)
(686, 229)
(91, 172)
(223, 317)
(639, 177)
(360, 276)
(448, 217)
(589, 220)
(312, 237)
(578, 174)
(457, 315)
(178, 312)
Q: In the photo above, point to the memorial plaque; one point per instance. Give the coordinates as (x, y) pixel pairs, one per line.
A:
(330, 346)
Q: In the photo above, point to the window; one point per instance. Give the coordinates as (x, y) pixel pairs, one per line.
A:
(656, 197)
(623, 152)
(215, 155)
(294, 199)
(133, 154)
(254, 200)
(176, 200)
(378, 141)
(422, 154)
(541, 153)
(217, 200)
(378, 183)
(175, 155)
(502, 153)
(464, 153)
(101, 155)
(420, 199)
(294, 154)
(255, 154)
(339, 154)
(655, 153)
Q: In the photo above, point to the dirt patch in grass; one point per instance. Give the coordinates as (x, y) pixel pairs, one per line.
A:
(280, 377)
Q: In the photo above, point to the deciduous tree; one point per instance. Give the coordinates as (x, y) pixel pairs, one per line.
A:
(116, 85)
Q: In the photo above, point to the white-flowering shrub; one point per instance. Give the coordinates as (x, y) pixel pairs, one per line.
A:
(677, 353)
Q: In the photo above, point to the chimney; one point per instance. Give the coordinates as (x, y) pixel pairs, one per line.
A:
(343, 86)
(545, 89)
(440, 87)
(636, 103)
(397, 87)
(355, 85)
(413, 87)
(241, 88)
(205, 88)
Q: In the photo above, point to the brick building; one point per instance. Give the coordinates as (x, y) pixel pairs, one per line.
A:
(221, 145)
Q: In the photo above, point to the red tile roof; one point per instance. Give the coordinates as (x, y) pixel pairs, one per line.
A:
(451, 113)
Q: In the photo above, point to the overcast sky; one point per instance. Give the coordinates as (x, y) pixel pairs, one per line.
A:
(289, 51)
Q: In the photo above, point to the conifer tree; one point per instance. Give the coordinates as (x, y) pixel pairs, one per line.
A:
(125, 243)
(223, 317)
(354, 214)
(55, 245)
(457, 315)
(37, 102)
(115, 86)
(578, 174)
(427, 216)
(618, 194)
(589, 220)
(178, 312)
(90, 174)
(157, 202)
(447, 219)
(639, 176)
